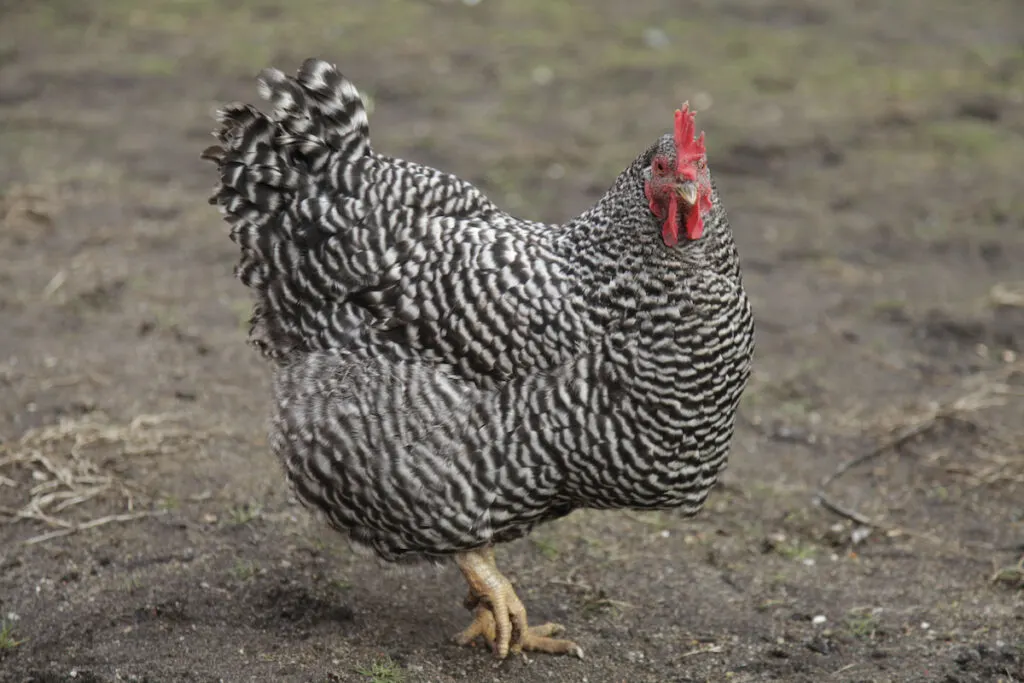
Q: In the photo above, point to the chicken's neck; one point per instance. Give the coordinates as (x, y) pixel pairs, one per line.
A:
(620, 265)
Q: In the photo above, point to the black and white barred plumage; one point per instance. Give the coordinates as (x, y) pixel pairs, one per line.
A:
(447, 375)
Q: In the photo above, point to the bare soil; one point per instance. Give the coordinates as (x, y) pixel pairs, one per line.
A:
(870, 154)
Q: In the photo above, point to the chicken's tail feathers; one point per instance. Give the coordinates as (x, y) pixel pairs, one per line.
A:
(318, 116)
(319, 111)
(271, 169)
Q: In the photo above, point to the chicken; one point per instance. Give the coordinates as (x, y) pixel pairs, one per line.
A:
(448, 376)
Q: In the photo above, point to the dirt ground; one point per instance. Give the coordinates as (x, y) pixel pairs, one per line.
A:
(870, 154)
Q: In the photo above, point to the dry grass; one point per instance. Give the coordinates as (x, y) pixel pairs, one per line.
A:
(980, 392)
(56, 469)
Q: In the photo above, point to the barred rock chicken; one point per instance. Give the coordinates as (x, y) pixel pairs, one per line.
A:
(449, 376)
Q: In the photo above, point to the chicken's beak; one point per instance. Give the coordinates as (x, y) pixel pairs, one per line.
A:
(687, 191)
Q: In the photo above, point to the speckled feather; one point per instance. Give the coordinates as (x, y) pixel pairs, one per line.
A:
(447, 375)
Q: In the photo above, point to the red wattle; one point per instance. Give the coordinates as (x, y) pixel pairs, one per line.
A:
(670, 230)
(694, 224)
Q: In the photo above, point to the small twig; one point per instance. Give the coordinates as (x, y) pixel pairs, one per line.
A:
(49, 536)
(58, 473)
(710, 649)
(10, 459)
(81, 498)
(845, 668)
(906, 434)
(974, 400)
(852, 515)
(91, 524)
(36, 515)
(578, 585)
(125, 517)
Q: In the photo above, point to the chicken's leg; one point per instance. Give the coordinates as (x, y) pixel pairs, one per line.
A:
(500, 617)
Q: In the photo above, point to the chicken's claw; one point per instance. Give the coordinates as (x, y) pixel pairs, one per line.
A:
(499, 615)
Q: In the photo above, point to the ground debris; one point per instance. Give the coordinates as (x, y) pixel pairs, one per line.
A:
(981, 392)
(55, 469)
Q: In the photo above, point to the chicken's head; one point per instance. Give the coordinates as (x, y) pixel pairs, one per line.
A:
(678, 185)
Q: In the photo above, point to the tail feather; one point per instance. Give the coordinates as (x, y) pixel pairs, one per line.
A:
(319, 112)
(269, 166)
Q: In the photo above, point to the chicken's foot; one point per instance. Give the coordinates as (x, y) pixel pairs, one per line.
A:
(499, 615)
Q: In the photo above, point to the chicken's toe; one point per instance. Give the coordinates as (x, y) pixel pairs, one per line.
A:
(521, 637)
(482, 627)
(537, 639)
(546, 630)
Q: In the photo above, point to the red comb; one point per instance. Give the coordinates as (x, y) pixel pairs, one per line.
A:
(688, 150)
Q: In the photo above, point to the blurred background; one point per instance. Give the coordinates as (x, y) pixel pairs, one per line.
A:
(870, 157)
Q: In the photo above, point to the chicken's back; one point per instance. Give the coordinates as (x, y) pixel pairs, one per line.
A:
(348, 249)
